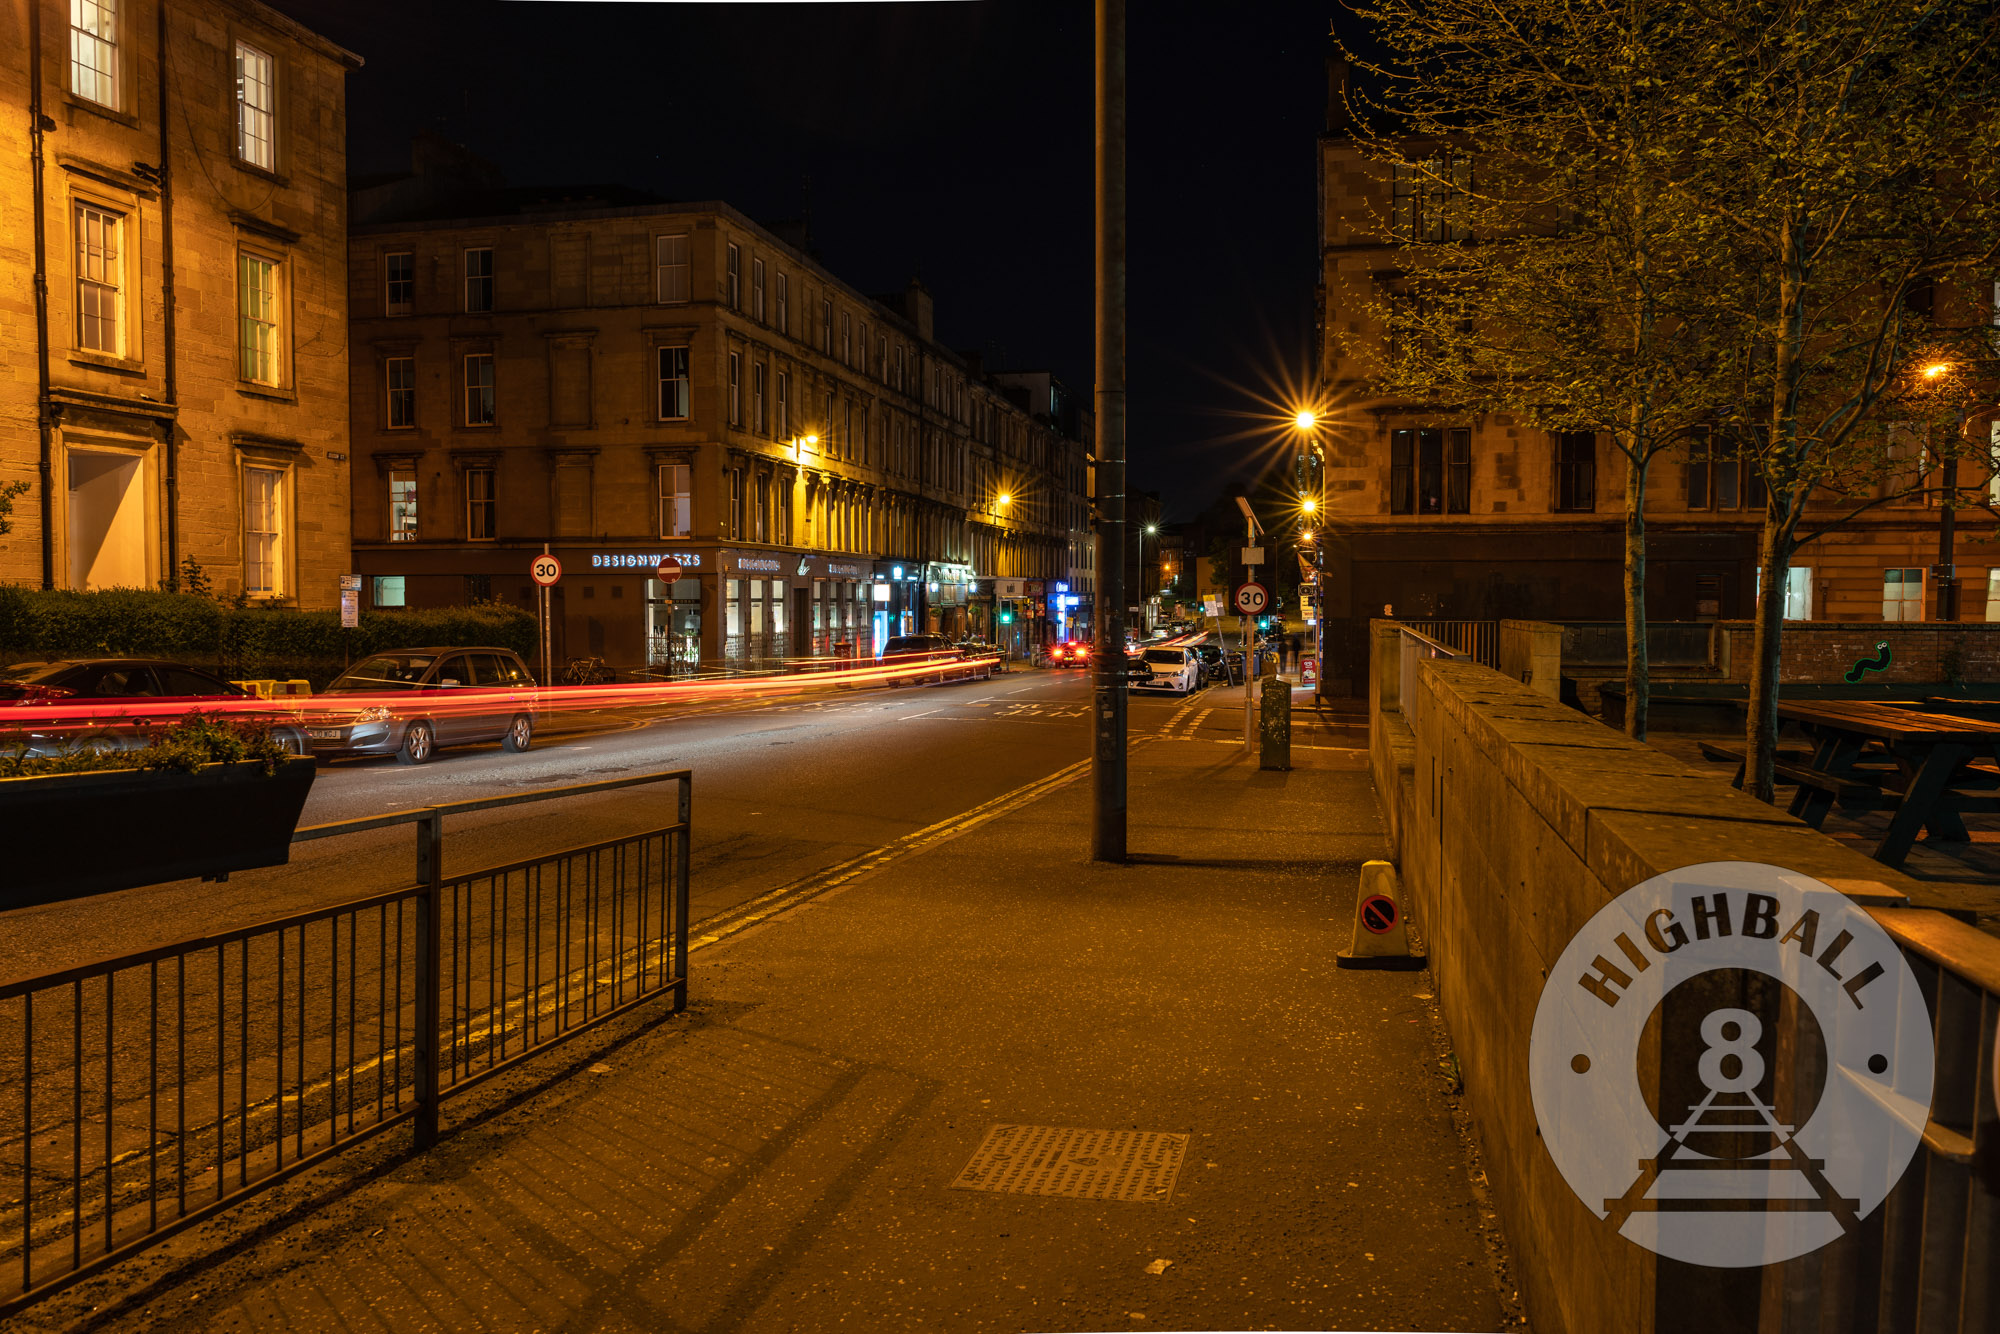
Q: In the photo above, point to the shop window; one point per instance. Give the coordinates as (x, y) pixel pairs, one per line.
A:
(389, 591)
(733, 608)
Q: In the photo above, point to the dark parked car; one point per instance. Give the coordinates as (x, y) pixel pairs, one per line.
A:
(423, 698)
(1214, 664)
(155, 691)
(953, 662)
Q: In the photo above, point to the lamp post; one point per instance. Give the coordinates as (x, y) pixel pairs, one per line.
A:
(1946, 573)
(1108, 711)
(1139, 581)
(1309, 471)
(1000, 502)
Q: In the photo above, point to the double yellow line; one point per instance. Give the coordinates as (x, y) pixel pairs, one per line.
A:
(732, 920)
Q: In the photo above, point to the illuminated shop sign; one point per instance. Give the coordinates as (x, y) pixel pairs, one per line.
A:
(641, 560)
(851, 571)
(758, 563)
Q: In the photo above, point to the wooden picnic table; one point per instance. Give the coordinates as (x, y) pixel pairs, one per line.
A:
(1928, 750)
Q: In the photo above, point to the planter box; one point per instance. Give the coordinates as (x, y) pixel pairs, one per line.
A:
(78, 834)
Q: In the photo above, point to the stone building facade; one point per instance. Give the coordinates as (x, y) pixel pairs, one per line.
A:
(173, 324)
(620, 380)
(1441, 516)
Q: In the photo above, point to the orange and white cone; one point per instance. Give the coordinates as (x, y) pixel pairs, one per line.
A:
(1380, 937)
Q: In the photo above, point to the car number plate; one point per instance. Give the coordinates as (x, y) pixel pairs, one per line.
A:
(324, 733)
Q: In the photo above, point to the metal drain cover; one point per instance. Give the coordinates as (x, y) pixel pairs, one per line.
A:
(1138, 1166)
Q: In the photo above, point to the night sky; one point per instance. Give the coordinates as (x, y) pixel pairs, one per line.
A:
(948, 140)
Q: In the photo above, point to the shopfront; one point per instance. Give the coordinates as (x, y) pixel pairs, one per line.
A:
(612, 605)
(948, 588)
(842, 607)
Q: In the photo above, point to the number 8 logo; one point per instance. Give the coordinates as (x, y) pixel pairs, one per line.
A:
(1724, 1045)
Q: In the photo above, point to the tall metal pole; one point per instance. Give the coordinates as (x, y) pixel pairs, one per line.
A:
(1107, 714)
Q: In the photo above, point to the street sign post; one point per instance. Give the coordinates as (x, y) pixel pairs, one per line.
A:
(668, 570)
(546, 571)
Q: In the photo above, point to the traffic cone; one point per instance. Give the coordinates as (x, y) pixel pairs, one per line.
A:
(1380, 940)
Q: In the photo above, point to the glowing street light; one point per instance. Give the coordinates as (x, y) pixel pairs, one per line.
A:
(1935, 369)
(1006, 498)
(1306, 419)
(1308, 505)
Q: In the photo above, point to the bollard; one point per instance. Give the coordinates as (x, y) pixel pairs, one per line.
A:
(1274, 723)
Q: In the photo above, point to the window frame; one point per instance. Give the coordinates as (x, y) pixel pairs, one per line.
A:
(1921, 601)
(735, 389)
(468, 278)
(115, 264)
(476, 505)
(682, 355)
(679, 270)
(280, 534)
(757, 288)
(245, 109)
(783, 298)
(405, 505)
(391, 308)
(733, 276)
(491, 388)
(391, 390)
(681, 497)
(759, 409)
(1572, 470)
(109, 80)
(278, 325)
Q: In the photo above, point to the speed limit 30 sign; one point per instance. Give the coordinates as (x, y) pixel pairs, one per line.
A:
(546, 569)
(1251, 599)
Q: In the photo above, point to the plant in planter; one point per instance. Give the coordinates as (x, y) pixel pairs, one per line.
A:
(204, 797)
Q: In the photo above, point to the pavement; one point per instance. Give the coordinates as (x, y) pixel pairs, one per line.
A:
(781, 1158)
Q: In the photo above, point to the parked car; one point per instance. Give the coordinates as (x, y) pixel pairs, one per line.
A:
(163, 690)
(414, 711)
(953, 664)
(1214, 663)
(1070, 653)
(1171, 668)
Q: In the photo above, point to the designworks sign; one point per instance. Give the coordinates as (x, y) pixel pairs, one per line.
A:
(1731, 1064)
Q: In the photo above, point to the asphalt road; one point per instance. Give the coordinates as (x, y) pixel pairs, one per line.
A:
(781, 789)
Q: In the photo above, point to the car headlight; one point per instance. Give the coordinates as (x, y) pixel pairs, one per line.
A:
(374, 715)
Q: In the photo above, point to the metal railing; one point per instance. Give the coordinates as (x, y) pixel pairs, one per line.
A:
(1477, 640)
(1924, 1260)
(1415, 645)
(1668, 643)
(142, 1094)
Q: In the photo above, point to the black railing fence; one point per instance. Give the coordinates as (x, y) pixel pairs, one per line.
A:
(142, 1094)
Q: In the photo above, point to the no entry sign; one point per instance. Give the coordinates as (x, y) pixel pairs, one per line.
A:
(668, 570)
(1378, 914)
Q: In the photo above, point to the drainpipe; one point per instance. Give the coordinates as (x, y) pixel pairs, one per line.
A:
(44, 421)
(171, 456)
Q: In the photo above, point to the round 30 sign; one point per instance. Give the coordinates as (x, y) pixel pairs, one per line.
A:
(1251, 599)
(547, 570)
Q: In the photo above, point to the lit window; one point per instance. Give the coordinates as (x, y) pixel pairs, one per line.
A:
(99, 302)
(670, 264)
(399, 283)
(403, 506)
(400, 373)
(257, 319)
(479, 397)
(673, 383)
(676, 500)
(93, 50)
(1903, 595)
(479, 504)
(479, 280)
(389, 591)
(263, 531)
(256, 107)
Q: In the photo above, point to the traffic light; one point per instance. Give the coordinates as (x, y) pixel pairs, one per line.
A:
(1007, 616)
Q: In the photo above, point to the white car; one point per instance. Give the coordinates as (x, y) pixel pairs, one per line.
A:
(1175, 669)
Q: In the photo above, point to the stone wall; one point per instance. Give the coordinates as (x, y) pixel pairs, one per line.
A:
(1515, 820)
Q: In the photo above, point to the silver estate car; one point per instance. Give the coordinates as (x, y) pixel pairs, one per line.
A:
(423, 698)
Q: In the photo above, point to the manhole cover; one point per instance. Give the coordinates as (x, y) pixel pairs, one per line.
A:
(1132, 1165)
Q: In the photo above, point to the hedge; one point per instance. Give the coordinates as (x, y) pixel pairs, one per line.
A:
(241, 642)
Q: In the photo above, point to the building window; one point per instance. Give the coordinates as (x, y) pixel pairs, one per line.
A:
(403, 505)
(479, 395)
(257, 319)
(762, 533)
(757, 290)
(673, 384)
(479, 505)
(1903, 595)
(1421, 199)
(1416, 471)
(99, 285)
(676, 500)
(1798, 592)
(1458, 471)
(256, 107)
(479, 279)
(390, 591)
(882, 357)
(399, 283)
(734, 292)
(1993, 595)
(670, 269)
(93, 50)
(1576, 472)
(400, 373)
(826, 327)
(784, 304)
(783, 486)
(735, 388)
(846, 338)
(757, 419)
(784, 405)
(736, 504)
(263, 532)
(1717, 482)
